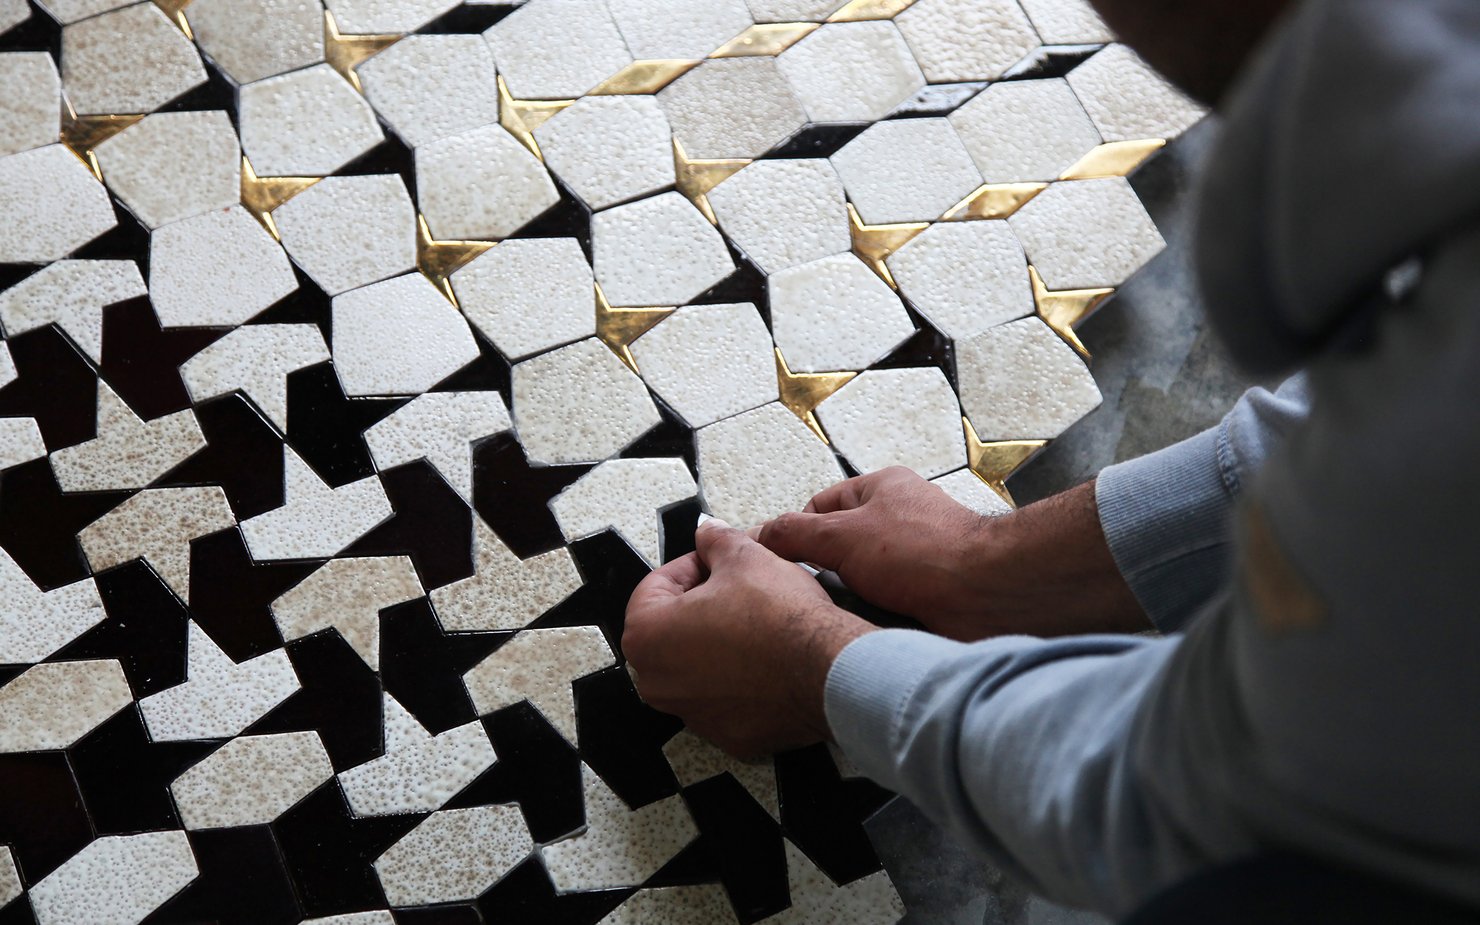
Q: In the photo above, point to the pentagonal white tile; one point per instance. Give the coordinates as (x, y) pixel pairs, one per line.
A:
(694, 759)
(1025, 130)
(591, 48)
(398, 337)
(709, 361)
(529, 294)
(157, 526)
(967, 39)
(253, 39)
(255, 359)
(117, 878)
(621, 846)
(305, 123)
(20, 442)
(732, 107)
(217, 268)
(1128, 100)
(380, 917)
(315, 521)
(53, 205)
(454, 854)
(579, 404)
(347, 595)
(251, 780)
(897, 417)
(30, 101)
(971, 492)
(127, 452)
(817, 900)
(704, 904)
(67, 11)
(10, 878)
(7, 366)
(481, 184)
(629, 496)
(431, 86)
(964, 277)
(782, 213)
(540, 666)
(386, 16)
(678, 28)
(143, 165)
(72, 294)
(1020, 381)
(1067, 22)
(440, 427)
(657, 251)
(762, 463)
(53, 705)
(104, 74)
(851, 72)
(906, 170)
(835, 313)
(220, 697)
(504, 592)
(793, 10)
(419, 772)
(1087, 233)
(610, 148)
(347, 232)
(36, 623)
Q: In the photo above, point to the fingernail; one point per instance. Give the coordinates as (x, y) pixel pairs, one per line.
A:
(714, 522)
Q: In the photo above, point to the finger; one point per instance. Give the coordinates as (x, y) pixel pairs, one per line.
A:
(844, 496)
(664, 584)
(716, 542)
(821, 539)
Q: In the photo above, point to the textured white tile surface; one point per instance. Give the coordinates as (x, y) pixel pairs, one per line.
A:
(157, 526)
(897, 417)
(7, 362)
(732, 107)
(528, 295)
(30, 101)
(315, 521)
(657, 251)
(694, 759)
(431, 86)
(967, 39)
(419, 772)
(147, 165)
(705, 904)
(621, 846)
(347, 595)
(793, 10)
(116, 879)
(1087, 233)
(481, 184)
(1128, 100)
(53, 705)
(398, 337)
(851, 72)
(1025, 130)
(440, 427)
(678, 28)
(73, 294)
(610, 148)
(971, 492)
(53, 205)
(36, 623)
(350, 231)
(127, 452)
(1020, 381)
(817, 900)
(255, 359)
(453, 854)
(69, 11)
(305, 123)
(628, 495)
(964, 277)
(102, 74)
(253, 39)
(760, 464)
(540, 666)
(12, 13)
(709, 361)
(251, 780)
(10, 878)
(220, 697)
(504, 592)
(386, 16)
(1067, 22)
(355, 918)
(579, 404)
(218, 268)
(20, 442)
(592, 48)
(782, 213)
(835, 313)
(906, 170)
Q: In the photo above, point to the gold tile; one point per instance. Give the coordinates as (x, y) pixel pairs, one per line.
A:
(696, 177)
(347, 52)
(641, 77)
(1114, 159)
(1064, 310)
(260, 195)
(860, 10)
(801, 393)
(765, 39)
(81, 134)
(993, 201)
(874, 243)
(438, 260)
(619, 327)
(521, 117)
(175, 10)
(994, 463)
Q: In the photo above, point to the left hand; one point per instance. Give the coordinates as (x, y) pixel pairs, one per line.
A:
(738, 643)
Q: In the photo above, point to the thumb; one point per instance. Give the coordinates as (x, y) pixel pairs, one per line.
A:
(820, 539)
(717, 542)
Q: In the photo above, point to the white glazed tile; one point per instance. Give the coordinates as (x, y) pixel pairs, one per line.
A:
(1067, 22)
(30, 101)
(440, 427)
(693, 760)
(218, 268)
(529, 294)
(315, 521)
(591, 48)
(419, 772)
(851, 72)
(73, 294)
(678, 28)
(157, 526)
(127, 452)
(1025, 130)
(965, 277)
(454, 854)
(305, 123)
(835, 313)
(220, 697)
(398, 337)
(20, 442)
(621, 846)
(705, 904)
(967, 39)
(144, 167)
(253, 39)
(347, 232)
(783, 213)
(386, 16)
(1087, 233)
(579, 404)
(115, 879)
(609, 149)
(732, 107)
(63, 11)
(481, 185)
(897, 417)
(51, 706)
(251, 780)
(7, 362)
(540, 666)
(793, 10)
(1128, 100)
(1020, 381)
(657, 251)
(629, 496)
(255, 359)
(102, 73)
(709, 361)
(347, 595)
(13, 13)
(906, 170)
(36, 623)
(762, 463)
(10, 878)
(972, 493)
(504, 591)
(817, 900)
(431, 86)
(53, 205)
(379, 917)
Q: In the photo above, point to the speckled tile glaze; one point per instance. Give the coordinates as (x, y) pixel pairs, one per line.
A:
(621, 846)
(70, 11)
(592, 48)
(906, 170)
(965, 277)
(315, 521)
(732, 107)
(251, 780)
(157, 526)
(1025, 130)
(347, 595)
(708, 362)
(529, 295)
(793, 10)
(354, 918)
(784, 212)
(305, 123)
(1020, 381)
(20, 442)
(256, 360)
(440, 427)
(835, 313)
(36, 623)
(128, 452)
(481, 184)
(72, 294)
(455, 70)
(817, 900)
(386, 16)
(539, 665)
(220, 697)
(347, 232)
(629, 496)
(218, 268)
(419, 772)
(579, 404)
(1087, 233)
(610, 148)
(705, 904)
(1128, 100)
(505, 592)
(851, 72)
(896, 417)
(103, 75)
(118, 878)
(453, 854)
(55, 704)
(54, 205)
(657, 251)
(971, 492)
(143, 167)
(694, 759)
(678, 28)
(762, 463)
(253, 39)
(967, 39)
(30, 101)
(1067, 22)
(10, 878)
(398, 337)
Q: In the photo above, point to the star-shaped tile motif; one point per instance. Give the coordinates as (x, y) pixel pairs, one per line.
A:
(438, 260)
(521, 117)
(619, 327)
(697, 176)
(82, 134)
(260, 195)
(345, 52)
(1063, 311)
(874, 243)
(801, 393)
(994, 463)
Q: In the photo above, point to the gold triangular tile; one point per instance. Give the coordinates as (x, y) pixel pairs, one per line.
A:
(861, 10)
(521, 117)
(1065, 310)
(801, 393)
(993, 201)
(1114, 159)
(994, 463)
(438, 260)
(260, 195)
(619, 327)
(345, 52)
(874, 243)
(695, 178)
(641, 77)
(175, 10)
(81, 134)
(765, 39)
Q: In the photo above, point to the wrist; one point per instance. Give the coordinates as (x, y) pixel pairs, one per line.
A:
(825, 632)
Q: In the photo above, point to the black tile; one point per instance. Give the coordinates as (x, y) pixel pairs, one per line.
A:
(145, 629)
(17, 912)
(39, 33)
(127, 240)
(1051, 61)
(824, 814)
(511, 495)
(818, 140)
(340, 698)
(39, 524)
(55, 385)
(125, 777)
(243, 455)
(308, 304)
(391, 155)
(622, 738)
(326, 427)
(742, 845)
(747, 283)
(679, 523)
(438, 915)
(672, 437)
(568, 218)
(527, 895)
(431, 523)
(329, 853)
(141, 359)
(230, 594)
(489, 373)
(610, 570)
(926, 347)
(469, 20)
(41, 813)
(536, 768)
(242, 881)
(422, 667)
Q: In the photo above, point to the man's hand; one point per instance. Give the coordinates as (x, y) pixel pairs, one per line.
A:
(738, 643)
